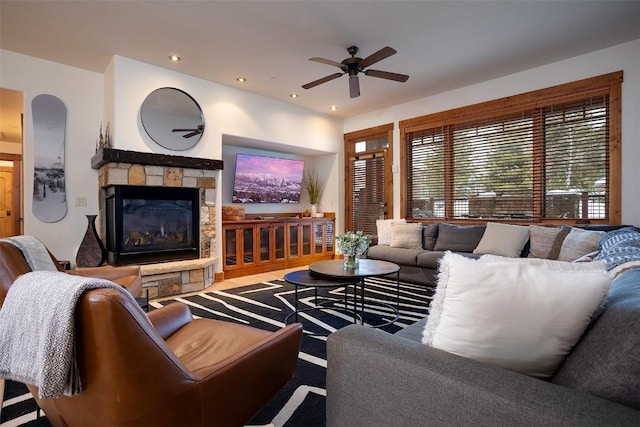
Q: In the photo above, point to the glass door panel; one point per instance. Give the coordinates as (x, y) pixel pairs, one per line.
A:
(279, 241)
(293, 241)
(306, 239)
(231, 256)
(247, 245)
(264, 242)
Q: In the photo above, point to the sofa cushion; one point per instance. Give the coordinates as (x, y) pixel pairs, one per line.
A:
(545, 242)
(429, 259)
(429, 236)
(512, 314)
(503, 239)
(413, 332)
(408, 235)
(399, 256)
(606, 361)
(458, 238)
(383, 227)
(579, 242)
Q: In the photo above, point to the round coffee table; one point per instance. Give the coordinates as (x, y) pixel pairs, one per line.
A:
(335, 270)
(305, 279)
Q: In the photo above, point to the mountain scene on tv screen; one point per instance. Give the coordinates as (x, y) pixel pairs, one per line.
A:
(265, 188)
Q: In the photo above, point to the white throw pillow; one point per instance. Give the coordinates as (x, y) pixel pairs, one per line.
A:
(503, 239)
(517, 315)
(384, 229)
(579, 242)
(407, 235)
(548, 263)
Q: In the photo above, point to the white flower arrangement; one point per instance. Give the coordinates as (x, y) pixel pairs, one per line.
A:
(353, 243)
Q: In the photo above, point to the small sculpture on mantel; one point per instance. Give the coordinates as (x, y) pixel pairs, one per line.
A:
(107, 137)
(103, 140)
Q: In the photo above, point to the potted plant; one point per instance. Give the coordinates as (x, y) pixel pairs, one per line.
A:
(313, 187)
(352, 244)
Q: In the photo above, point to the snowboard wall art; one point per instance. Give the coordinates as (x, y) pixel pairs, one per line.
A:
(49, 126)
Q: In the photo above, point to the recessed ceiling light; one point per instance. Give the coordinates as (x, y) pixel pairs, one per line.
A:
(174, 58)
(294, 95)
(333, 108)
(241, 79)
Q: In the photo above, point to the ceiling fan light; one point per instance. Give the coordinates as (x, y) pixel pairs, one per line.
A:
(174, 58)
(241, 79)
(333, 107)
(293, 95)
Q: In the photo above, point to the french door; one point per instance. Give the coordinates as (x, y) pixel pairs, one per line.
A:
(368, 178)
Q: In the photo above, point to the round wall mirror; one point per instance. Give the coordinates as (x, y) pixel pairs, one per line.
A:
(172, 118)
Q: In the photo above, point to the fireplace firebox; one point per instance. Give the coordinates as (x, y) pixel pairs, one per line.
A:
(151, 224)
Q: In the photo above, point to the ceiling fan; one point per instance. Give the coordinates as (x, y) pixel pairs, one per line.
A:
(192, 132)
(354, 65)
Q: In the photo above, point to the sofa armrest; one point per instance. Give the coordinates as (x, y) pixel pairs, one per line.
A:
(168, 319)
(375, 378)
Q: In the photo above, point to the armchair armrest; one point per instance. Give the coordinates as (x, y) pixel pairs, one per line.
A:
(375, 378)
(168, 319)
(127, 276)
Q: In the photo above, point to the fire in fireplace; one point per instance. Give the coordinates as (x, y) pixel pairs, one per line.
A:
(151, 224)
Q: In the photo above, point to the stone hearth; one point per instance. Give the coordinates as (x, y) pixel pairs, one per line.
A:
(119, 167)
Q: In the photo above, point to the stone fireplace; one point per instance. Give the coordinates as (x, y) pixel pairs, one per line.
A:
(151, 224)
(176, 251)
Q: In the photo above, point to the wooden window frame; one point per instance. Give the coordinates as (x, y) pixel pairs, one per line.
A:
(610, 84)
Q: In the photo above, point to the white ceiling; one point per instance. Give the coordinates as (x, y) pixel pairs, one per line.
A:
(442, 45)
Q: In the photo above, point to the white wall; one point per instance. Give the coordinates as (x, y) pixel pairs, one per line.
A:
(624, 57)
(82, 93)
(116, 96)
(227, 111)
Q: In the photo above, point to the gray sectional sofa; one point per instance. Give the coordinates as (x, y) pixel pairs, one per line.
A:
(379, 379)
(421, 265)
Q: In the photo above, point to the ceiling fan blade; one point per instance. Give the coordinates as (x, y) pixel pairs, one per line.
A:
(322, 80)
(354, 87)
(184, 130)
(383, 53)
(327, 62)
(387, 75)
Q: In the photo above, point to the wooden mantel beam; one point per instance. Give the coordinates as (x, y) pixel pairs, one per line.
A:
(108, 155)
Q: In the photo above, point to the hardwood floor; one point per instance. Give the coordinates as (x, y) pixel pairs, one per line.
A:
(241, 281)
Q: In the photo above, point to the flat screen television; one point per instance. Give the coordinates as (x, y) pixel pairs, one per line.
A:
(261, 179)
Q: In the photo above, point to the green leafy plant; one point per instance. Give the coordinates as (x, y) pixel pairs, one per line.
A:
(312, 186)
(353, 243)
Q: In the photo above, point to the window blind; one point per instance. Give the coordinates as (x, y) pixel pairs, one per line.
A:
(548, 159)
(368, 191)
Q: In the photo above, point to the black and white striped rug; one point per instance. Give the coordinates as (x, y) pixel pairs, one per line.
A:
(265, 305)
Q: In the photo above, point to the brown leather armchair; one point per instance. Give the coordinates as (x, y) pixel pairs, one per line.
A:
(127, 276)
(164, 368)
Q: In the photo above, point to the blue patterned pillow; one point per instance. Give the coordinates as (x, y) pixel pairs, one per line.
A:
(619, 246)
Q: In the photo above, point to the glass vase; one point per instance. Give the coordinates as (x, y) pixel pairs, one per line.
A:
(350, 262)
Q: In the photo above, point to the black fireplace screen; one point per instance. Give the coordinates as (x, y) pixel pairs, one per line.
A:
(151, 224)
(156, 224)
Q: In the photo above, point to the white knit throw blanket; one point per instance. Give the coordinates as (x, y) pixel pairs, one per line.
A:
(37, 330)
(34, 251)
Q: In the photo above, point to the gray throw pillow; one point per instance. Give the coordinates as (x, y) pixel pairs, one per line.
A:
(458, 238)
(545, 242)
(429, 236)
